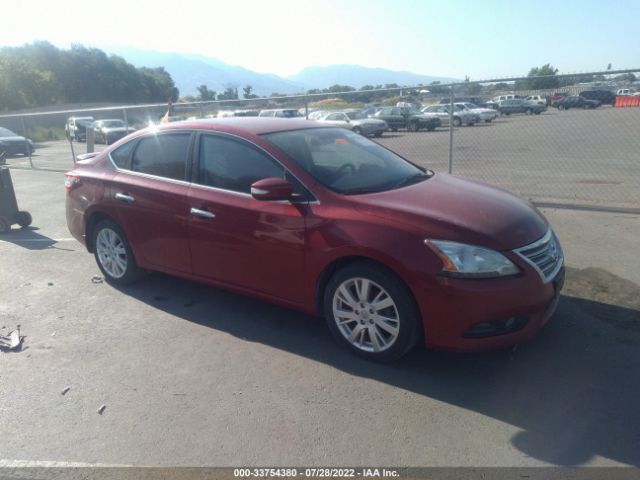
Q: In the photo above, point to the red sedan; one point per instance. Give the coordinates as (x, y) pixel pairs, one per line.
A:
(322, 220)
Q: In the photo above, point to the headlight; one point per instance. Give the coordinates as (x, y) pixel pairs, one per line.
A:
(470, 261)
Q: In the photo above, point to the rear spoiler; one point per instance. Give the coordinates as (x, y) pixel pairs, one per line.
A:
(86, 156)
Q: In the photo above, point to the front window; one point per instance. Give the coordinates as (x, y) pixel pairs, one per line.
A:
(345, 162)
(356, 115)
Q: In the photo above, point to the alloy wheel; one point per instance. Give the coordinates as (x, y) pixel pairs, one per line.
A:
(112, 253)
(366, 315)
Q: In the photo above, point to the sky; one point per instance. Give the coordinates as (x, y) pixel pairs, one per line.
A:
(451, 38)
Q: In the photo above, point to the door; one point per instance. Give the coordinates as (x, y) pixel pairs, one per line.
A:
(236, 239)
(150, 193)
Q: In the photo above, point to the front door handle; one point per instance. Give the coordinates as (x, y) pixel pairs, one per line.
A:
(196, 212)
(123, 197)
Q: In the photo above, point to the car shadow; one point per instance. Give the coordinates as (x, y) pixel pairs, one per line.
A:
(28, 238)
(573, 390)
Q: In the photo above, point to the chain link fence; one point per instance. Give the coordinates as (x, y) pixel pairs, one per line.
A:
(552, 149)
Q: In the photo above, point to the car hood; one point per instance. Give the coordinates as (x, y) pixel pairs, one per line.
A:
(452, 208)
(12, 139)
(116, 129)
(368, 121)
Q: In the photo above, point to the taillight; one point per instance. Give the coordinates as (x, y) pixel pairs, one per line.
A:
(71, 181)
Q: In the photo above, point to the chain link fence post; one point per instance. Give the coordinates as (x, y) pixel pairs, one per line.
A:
(451, 129)
(27, 147)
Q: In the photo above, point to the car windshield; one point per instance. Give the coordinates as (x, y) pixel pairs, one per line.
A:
(113, 123)
(346, 162)
(5, 132)
(356, 115)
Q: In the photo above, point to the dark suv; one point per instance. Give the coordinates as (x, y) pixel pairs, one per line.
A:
(605, 97)
(403, 117)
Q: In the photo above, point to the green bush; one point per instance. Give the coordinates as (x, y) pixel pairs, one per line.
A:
(45, 134)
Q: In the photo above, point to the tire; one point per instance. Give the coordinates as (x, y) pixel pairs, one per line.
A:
(378, 134)
(357, 130)
(561, 107)
(108, 234)
(538, 112)
(5, 227)
(381, 340)
(413, 127)
(457, 122)
(528, 111)
(23, 219)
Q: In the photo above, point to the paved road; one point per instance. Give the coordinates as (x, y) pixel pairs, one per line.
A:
(191, 375)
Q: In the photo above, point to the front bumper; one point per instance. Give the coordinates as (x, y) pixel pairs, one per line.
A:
(454, 309)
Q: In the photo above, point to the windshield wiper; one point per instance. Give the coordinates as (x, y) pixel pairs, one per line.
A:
(418, 177)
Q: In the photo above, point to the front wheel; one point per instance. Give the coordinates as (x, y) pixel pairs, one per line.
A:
(413, 127)
(23, 219)
(528, 111)
(370, 311)
(114, 255)
(457, 122)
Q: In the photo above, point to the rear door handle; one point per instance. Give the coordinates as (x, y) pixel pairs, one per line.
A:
(196, 212)
(123, 197)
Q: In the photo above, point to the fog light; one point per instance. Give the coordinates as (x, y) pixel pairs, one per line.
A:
(497, 327)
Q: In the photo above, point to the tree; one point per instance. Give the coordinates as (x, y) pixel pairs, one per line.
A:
(204, 94)
(532, 83)
(246, 92)
(230, 93)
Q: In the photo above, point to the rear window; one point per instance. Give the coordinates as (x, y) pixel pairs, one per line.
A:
(120, 156)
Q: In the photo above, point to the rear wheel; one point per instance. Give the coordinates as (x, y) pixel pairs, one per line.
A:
(457, 122)
(114, 255)
(371, 312)
(528, 111)
(560, 107)
(413, 127)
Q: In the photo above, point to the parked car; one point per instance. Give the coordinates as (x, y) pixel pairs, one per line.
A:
(13, 144)
(460, 117)
(556, 97)
(605, 97)
(475, 100)
(519, 105)
(76, 128)
(501, 98)
(539, 99)
(281, 113)
(110, 130)
(412, 120)
(576, 101)
(354, 120)
(486, 115)
(326, 221)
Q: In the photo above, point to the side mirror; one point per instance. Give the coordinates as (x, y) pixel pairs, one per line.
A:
(272, 189)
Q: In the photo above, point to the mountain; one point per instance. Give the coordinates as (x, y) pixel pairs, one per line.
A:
(190, 71)
(357, 76)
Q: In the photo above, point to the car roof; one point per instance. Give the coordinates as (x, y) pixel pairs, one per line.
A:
(250, 125)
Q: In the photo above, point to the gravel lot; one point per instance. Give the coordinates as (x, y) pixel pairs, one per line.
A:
(191, 375)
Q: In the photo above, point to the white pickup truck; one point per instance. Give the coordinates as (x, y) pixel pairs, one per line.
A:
(627, 91)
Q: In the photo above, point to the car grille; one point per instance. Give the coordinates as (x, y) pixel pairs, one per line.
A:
(545, 255)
